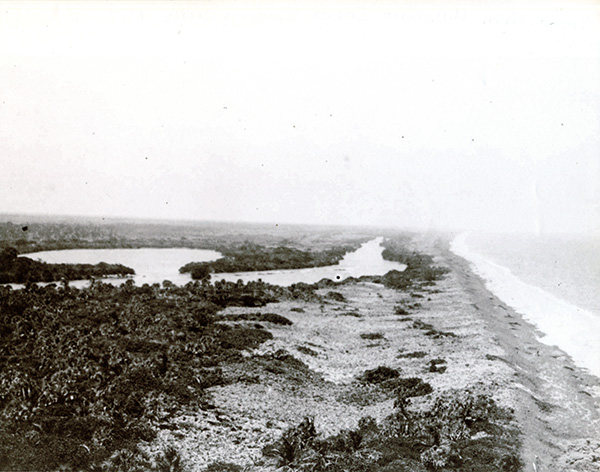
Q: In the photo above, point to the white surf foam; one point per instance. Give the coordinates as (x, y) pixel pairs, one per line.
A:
(574, 330)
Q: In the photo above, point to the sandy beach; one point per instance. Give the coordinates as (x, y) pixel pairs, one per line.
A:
(484, 348)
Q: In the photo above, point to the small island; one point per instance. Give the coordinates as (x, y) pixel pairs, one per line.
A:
(253, 257)
(18, 269)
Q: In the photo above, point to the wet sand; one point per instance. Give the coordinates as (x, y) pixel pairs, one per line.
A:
(557, 403)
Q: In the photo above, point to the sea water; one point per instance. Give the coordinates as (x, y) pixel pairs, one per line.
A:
(553, 282)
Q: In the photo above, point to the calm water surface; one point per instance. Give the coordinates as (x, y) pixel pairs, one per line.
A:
(153, 265)
(366, 260)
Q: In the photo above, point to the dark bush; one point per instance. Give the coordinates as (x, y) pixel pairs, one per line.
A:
(412, 387)
(412, 355)
(81, 370)
(379, 374)
(336, 296)
(268, 317)
(372, 336)
(435, 366)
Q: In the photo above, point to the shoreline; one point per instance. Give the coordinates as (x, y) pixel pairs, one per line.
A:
(557, 402)
(574, 329)
(492, 350)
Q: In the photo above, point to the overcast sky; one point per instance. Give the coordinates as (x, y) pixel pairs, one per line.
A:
(340, 112)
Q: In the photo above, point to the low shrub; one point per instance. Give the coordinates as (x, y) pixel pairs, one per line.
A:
(222, 467)
(85, 374)
(379, 375)
(336, 296)
(411, 387)
(306, 350)
(436, 367)
(412, 355)
(442, 436)
(431, 331)
(240, 337)
(293, 444)
(266, 317)
(400, 310)
(372, 336)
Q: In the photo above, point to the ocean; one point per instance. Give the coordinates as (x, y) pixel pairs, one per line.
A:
(554, 282)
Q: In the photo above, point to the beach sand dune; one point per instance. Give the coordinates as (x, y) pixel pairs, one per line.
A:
(490, 349)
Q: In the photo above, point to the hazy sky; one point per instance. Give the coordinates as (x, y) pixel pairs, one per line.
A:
(323, 112)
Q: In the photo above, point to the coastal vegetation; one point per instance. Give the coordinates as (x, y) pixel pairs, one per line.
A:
(420, 268)
(88, 373)
(32, 234)
(15, 269)
(456, 431)
(253, 257)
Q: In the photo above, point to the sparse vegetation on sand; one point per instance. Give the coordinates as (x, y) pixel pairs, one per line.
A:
(90, 377)
(453, 431)
(87, 373)
(420, 268)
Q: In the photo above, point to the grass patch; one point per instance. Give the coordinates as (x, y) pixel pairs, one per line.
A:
(306, 350)
(436, 366)
(379, 375)
(431, 331)
(336, 296)
(412, 355)
(401, 310)
(372, 336)
(355, 314)
(458, 431)
(265, 317)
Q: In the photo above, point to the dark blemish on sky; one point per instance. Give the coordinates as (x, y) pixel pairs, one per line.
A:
(25, 228)
(338, 277)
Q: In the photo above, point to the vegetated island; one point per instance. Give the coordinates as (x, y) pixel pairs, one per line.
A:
(20, 270)
(253, 257)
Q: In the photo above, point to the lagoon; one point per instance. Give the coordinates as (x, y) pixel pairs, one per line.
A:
(151, 265)
(155, 265)
(366, 260)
